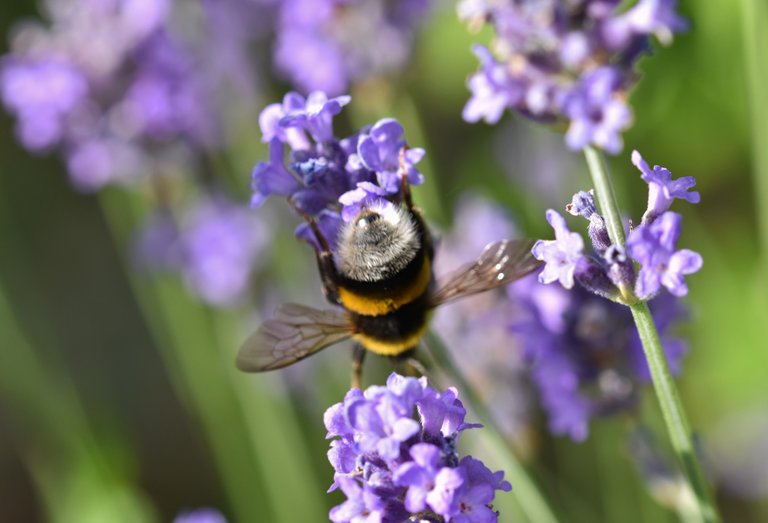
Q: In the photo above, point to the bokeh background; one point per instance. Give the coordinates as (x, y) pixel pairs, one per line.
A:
(100, 421)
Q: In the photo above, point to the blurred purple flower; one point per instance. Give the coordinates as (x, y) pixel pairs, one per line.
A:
(662, 189)
(656, 17)
(493, 88)
(219, 246)
(201, 515)
(119, 88)
(564, 62)
(328, 44)
(215, 247)
(597, 111)
(585, 357)
(42, 94)
(653, 246)
(393, 466)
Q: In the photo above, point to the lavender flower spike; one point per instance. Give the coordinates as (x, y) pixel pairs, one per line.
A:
(392, 467)
(662, 189)
(653, 246)
(561, 255)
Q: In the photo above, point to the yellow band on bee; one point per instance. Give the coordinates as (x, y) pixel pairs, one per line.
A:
(386, 303)
(390, 348)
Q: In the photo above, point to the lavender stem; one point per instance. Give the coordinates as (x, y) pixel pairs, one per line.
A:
(663, 383)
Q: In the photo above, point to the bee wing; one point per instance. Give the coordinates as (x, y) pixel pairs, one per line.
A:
(500, 263)
(293, 333)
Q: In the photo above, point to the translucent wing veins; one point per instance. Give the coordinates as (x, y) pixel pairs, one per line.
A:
(500, 263)
(293, 333)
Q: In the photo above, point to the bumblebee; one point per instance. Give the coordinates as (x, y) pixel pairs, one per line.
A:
(383, 283)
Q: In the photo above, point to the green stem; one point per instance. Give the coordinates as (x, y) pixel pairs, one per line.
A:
(531, 501)
(606, 196)
(755, 16)
(663, 383)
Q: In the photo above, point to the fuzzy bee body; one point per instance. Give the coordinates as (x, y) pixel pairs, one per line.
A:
(381, 278)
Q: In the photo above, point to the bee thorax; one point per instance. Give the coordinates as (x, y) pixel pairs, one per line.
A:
(377, 244)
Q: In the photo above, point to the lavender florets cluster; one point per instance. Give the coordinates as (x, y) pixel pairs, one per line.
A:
(324, 45)
(326, 178)
(114, 87)
(564, 61)
(214, 244)
(585, 357)
(395, 457)
(652, 245)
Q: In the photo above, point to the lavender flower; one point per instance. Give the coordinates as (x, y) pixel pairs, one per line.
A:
(611, 272)
(117, 89)
(662, 189)
(392, 466)
(653, 246)
(585, 357)
(327, 178)
(324, 45)
(215, 247)
(564, 61)
(201, 515)
(562, 255)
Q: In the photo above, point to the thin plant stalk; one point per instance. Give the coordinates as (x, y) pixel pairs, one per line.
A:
(755, 16)
(532, 502)
(663, 383)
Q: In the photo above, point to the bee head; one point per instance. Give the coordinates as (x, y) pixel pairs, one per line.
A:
(379, 242)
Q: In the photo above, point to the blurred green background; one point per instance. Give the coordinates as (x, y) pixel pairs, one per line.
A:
(98, 424)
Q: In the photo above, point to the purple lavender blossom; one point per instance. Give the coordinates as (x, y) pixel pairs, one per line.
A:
(326, 45)
(384, 151)
(215, 247)
(583, 204)
(662, 189)
(597, 111)
(326, 178)
(656, 17)
(562, 255)
(42, 94)
(585, 356)
(362, 505)
(117, 89)
(564, 62)
(493, 88)
(395, 456)
(653, 246)
(201, 515)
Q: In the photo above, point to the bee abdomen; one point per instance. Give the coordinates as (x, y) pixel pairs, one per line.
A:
(393, 333)
(382, 298)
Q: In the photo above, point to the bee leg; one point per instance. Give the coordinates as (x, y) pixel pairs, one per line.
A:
(325, 264)
(405, 188)
(409, 365)
(358, 355)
